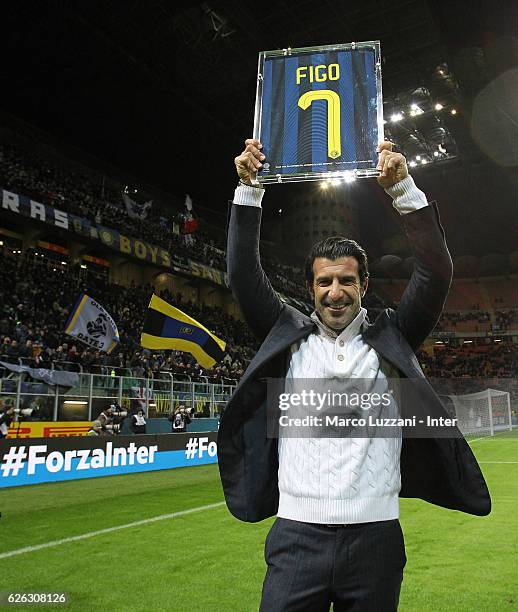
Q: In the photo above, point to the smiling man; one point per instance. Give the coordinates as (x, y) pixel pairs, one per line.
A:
(337, 278)
(337, 538)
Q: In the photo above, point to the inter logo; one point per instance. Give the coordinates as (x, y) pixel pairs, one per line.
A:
(186, 330)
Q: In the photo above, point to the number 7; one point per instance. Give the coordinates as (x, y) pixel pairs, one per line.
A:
(334, 146)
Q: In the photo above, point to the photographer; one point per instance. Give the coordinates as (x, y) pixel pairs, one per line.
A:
(138, 422)
(111, 420)
(95, 430)
(180, 418)
(6, 418)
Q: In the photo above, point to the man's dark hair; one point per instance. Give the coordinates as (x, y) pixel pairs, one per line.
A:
(334, 247)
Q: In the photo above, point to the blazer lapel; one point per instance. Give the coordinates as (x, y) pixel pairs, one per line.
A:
(290, 327)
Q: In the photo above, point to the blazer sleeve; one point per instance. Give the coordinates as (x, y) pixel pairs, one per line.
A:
(424, 297)
(259, 303)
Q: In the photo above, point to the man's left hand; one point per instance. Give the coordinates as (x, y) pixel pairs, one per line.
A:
(392, 166)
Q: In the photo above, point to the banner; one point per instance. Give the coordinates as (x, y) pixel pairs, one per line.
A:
(50, 377)
(319, 111)
(27, 462)
(132, 247)
(134, 209)
(90, 323)
(48, 429)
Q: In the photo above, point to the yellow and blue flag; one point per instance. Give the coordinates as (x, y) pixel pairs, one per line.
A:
(167, 328)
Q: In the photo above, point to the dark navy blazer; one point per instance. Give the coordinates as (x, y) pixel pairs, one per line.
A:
(439, 470)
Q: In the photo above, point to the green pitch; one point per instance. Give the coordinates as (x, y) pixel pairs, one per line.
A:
(208, 561)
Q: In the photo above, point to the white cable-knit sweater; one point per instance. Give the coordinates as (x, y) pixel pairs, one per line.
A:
(339, 480)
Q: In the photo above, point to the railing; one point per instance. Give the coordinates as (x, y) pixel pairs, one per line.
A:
(95, 392)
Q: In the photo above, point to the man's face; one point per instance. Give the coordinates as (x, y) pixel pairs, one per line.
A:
(337, 291)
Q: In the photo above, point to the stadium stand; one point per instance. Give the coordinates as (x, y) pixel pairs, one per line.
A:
(34, 312)
(32, 316)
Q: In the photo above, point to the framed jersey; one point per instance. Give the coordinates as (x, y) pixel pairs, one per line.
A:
(319, 112)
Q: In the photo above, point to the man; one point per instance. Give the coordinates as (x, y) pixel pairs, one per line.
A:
(337, 537)
(6, 418)
(179, 418)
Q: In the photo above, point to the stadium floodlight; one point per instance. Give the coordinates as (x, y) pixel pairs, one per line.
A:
(483, 413)
(76, 402)
(453, 111)
(436, 153)
(412, 163)
(438, 106)
(396, 117)
(324, 185)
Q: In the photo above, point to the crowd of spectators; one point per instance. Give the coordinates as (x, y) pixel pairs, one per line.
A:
(35, 302)
(35, 299)
(495, 360)
(75, 192)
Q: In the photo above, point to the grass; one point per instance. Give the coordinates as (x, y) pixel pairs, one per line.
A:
(209, 561)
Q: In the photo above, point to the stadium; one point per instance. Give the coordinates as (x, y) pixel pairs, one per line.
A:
(136, 400)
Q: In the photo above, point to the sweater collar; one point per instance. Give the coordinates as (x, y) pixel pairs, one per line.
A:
(353, 329)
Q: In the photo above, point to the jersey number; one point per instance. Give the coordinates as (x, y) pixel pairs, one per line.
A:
(334, 146)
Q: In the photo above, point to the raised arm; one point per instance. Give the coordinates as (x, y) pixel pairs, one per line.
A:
(252, 290)
(423, 299)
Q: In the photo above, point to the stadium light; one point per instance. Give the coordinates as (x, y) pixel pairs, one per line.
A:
(424, 161)
(436, 153)
(324, 185)
(152, 405)
(418, 158)
(396, 117)
(76, 402)
(83, 266)
(438, 106)
(412, 163)
(468, 341)
(453, 111)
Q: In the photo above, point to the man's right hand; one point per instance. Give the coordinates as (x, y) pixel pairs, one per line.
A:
(249, 162)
